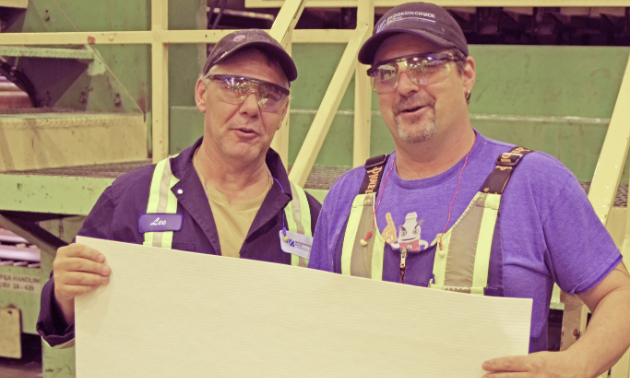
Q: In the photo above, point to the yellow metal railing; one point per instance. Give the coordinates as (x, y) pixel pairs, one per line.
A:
(14, 3)
(446, 3)
(328, 108)
(282, 31)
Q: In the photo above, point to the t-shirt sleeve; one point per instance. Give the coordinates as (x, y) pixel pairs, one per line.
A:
(51, 324)
(332, 218)
(580, 250)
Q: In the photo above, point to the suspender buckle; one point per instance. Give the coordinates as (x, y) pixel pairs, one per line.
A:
(509, 159)
(376, 161)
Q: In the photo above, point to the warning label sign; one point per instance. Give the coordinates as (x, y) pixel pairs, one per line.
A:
(15, 282)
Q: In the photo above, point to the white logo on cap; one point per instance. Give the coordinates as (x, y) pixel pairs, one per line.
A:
(400, 16)
(239, 38)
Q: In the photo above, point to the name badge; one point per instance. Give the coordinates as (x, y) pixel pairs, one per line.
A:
(160, 222)
(297, 244)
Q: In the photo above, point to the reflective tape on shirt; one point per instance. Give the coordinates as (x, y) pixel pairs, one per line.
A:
(484, 243)
(351, 232)
(161, 200)
(298, 217)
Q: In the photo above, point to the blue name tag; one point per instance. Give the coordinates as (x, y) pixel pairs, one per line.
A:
(160, 222)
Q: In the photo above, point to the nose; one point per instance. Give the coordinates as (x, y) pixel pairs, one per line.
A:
(250, 105)
(405, 85)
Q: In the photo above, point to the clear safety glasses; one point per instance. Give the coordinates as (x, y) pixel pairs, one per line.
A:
(425, 69)
(235, 89)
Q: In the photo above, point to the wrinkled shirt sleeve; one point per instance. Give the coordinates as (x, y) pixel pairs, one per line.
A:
(51, 324)
(581, 252)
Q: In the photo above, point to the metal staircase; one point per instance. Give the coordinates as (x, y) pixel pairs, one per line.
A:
(60, 107)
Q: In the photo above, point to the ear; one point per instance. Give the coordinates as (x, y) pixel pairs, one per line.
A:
(284, 114)
(469, 74)
(200, 95)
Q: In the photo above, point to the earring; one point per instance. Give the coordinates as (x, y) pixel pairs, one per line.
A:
(467, 94)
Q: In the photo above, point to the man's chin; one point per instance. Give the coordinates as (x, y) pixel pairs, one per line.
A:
(244, 152)
(415, 133)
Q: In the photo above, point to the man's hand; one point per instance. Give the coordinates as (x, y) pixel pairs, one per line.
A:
(604, 342)
(536, 365)
(77, 270)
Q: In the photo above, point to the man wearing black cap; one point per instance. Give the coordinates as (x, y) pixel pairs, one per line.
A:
(453, 210)
(228, 194)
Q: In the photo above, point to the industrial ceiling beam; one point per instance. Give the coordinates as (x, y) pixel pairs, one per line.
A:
(447, 3)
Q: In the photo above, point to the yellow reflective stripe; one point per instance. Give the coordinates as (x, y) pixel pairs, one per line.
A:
(171, 208)
(291, 226)
(154, 192)
(295, 210)
(484, 243)
(477, 290)
(299, 261)
(351, 233)
(148, 239)
(298, 216)
(378, 256)
(161, 200)
(288, 213)
(68, 344)
(154, 197)
(305, 213)
(439, 262)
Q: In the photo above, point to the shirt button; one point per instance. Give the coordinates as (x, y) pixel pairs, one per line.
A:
(179, 191)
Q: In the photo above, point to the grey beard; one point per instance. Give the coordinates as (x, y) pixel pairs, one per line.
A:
(417, 134)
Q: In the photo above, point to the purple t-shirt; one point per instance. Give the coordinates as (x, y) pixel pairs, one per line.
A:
(549, 231)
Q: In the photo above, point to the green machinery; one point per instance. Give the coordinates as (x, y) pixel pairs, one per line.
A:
(555, 99)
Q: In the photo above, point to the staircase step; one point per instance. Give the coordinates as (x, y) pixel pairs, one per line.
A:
(49, 140)
(46, 52)
(21, 4)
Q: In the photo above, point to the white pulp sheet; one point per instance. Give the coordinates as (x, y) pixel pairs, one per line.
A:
(169, 313)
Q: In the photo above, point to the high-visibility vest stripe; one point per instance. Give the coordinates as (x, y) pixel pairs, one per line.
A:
(484, 243)
(466, 247)
(462, 256)
(162, 200)
(171, 208)
(298, 220)
(352, 228)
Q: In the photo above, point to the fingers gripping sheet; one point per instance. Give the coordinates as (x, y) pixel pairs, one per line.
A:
(169, 313)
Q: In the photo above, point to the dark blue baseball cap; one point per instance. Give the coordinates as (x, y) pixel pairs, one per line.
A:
(425, 20)
(241, 39)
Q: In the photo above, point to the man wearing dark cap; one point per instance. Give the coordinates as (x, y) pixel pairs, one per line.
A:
(453, 210)
(228, 194)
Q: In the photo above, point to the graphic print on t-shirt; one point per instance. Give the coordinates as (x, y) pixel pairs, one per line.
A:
(409, 233)
(389, 233)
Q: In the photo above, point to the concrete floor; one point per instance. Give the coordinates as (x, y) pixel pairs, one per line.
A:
(30, 366)
(19, 369)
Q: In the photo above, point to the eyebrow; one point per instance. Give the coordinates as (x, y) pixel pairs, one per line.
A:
(449, 52)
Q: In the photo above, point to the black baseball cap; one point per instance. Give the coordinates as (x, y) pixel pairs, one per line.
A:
(241, 39)
(425, 20)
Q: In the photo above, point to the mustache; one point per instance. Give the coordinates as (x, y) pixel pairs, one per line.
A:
(415, 101)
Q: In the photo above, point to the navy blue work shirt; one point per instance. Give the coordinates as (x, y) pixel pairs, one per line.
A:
(115, 217)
